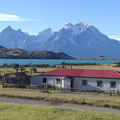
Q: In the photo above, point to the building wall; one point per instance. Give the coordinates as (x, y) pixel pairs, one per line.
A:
(51, 81)
(36, 81)
(92, 84)
(77, 84)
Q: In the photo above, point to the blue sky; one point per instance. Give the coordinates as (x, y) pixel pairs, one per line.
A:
(36, 15)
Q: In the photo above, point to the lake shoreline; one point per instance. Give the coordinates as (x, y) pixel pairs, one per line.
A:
(53, 61)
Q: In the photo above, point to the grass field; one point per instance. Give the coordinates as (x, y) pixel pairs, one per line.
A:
(9, 111)
(83, 98)
(102, 66)
(11, 70)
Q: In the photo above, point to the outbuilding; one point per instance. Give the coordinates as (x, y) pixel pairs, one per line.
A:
(80, 79)
(33, 70)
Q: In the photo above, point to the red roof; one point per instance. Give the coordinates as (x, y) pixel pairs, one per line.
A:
(90, 73)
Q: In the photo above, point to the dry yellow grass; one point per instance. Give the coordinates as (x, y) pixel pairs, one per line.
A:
(11, 70)
(88, 98)
(6, 70)
(104, 66)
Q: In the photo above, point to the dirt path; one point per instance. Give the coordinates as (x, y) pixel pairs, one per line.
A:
(61, 105)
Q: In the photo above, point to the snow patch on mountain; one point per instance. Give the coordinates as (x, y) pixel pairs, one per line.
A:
(77, 28)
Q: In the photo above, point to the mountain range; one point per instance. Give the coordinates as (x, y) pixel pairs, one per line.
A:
(79, 41)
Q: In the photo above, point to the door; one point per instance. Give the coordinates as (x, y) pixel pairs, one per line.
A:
(72, 84)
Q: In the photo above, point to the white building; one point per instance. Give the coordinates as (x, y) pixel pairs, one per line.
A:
(80, 79)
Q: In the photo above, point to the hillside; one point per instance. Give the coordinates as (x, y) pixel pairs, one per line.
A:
(15, 53)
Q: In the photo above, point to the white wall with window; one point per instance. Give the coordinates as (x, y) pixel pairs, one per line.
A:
(56, 81)
(94, 84)
(50, 80)
(97, 84)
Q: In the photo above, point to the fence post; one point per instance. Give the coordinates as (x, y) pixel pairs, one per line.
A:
(46, 85)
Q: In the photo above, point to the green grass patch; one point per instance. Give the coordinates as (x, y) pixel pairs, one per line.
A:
(9, 111)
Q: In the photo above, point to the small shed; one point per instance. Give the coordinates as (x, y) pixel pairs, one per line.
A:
(33, 70)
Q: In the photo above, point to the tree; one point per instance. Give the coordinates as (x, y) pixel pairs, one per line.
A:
(22, 69)
(16, 67)
(63, 64)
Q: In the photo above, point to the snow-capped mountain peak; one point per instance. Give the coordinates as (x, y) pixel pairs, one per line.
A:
(77, 28)
(68, 26)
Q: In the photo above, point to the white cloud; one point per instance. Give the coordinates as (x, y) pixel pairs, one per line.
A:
(6, 17)
(114, 37)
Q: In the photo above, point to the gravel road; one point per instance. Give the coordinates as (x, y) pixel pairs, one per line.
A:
(61, 105)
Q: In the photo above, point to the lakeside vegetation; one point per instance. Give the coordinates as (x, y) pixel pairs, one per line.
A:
(10, 111)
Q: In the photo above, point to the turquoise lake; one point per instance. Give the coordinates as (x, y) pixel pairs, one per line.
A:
(53, 61)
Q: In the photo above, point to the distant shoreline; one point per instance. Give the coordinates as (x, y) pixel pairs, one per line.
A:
(97, 59)
(42, 58)
(65, 58)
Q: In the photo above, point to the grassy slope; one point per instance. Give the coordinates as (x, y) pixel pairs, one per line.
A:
(32, 112)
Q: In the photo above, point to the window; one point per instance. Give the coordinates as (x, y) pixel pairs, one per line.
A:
(84, 82)
(58, 80)
(99, 83)
(112, 84)
(44, 80)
